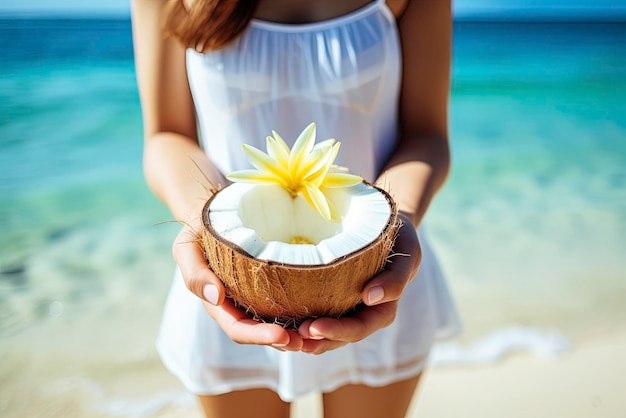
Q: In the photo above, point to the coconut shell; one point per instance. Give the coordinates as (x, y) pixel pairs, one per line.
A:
(287, 294)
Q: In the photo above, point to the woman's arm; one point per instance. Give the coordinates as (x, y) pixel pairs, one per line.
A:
(170, 138)
(420, 164)
(175, 168)
(414, 173)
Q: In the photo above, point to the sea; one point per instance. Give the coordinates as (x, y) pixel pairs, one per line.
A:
(530, 227)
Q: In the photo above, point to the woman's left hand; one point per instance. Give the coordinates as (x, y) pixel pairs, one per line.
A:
(381, 295)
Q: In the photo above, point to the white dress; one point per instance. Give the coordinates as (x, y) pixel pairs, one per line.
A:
(344, 75)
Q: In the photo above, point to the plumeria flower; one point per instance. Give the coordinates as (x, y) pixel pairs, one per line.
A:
(307, 169)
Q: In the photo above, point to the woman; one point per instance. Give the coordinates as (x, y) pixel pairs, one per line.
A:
(213, 75)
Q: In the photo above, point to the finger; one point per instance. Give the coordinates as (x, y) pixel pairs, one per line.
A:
(386, 286)
(244, 330)
(320, 347)
(295, 341)
(401, 268)
(303, 330)
(198, 277)
(352, 328)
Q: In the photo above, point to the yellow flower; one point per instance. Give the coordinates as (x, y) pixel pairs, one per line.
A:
(307, 169)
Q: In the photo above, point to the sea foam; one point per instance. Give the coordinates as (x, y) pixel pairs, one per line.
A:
(497, 345)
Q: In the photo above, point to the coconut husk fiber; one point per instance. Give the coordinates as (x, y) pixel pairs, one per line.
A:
(287, 294)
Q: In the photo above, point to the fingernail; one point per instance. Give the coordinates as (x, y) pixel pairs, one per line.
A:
(316, 337)
(375, 294)
(210, 294)
(279, 345)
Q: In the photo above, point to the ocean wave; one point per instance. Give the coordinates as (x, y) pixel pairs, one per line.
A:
(136, 407)
(498, 344)
(145, 407)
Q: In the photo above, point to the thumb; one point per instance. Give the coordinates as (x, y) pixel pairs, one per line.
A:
(198, 276)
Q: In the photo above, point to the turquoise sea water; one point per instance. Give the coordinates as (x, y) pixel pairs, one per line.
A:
(531, 227)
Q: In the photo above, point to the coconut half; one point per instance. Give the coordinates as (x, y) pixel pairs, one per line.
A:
(284, 260)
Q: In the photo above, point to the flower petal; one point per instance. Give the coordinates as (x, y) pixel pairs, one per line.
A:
(334, 214)
(301, 148)
(262, 161)
(324, 144)
(277, 151)
(338, 168)
(314, 196)
(334, 180)
(313, 163)
(256, 176)
(318, 176)
(281, 142)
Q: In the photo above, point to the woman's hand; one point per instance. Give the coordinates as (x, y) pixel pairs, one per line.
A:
(201, 280)
(381, 295)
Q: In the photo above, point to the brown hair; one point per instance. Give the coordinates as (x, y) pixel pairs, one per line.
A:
(208, 24)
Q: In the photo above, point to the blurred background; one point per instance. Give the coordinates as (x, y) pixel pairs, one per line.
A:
(531, 227)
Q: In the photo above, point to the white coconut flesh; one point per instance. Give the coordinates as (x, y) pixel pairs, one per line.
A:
(269, 224)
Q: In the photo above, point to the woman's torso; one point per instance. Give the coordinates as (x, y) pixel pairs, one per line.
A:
(341, 73)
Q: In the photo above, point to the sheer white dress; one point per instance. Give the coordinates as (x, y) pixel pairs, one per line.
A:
(344, 75)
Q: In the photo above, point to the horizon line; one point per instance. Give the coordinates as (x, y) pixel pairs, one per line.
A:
(484, 15)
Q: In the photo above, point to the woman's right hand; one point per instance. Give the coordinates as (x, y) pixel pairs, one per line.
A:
(203, 282)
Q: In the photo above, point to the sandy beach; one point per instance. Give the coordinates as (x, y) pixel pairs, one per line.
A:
(585, 380)
(588, 381)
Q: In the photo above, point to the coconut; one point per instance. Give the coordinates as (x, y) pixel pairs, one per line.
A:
(299, 237)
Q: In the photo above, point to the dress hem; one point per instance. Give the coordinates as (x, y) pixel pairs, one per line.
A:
(418, 365)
